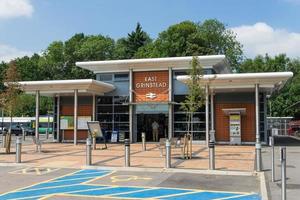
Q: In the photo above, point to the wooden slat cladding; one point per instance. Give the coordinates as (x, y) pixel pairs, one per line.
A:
(222, 121)
(83, 110)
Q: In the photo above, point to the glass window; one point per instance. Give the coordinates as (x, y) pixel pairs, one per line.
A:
(122, 77)
(105, 77)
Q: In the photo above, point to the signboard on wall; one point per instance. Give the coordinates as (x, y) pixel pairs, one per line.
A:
(67, 122)
(82, 122)
(151, 86)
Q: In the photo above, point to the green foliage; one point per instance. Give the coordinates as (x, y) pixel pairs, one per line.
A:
(290, 94)
(196, 96)
(189, 39)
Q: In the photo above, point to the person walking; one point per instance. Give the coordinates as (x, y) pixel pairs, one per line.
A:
(155, 127)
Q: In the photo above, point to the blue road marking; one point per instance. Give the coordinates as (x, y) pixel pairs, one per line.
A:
(248, 197)
(153, 193)
(75, 184)
(109, 191)
(78, 176)
(202, 195)
(60, 183)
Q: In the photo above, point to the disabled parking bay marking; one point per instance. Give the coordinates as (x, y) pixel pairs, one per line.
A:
(35, 170)
(79, 184)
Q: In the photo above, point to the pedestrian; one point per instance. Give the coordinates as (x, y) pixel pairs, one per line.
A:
(155, 127)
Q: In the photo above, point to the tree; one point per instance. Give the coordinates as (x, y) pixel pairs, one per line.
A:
(126, 48)
(9, 98)
(196, 96)
(290, 93)
(189, 39)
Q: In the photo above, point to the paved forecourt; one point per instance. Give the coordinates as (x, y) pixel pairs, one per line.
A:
(107, 184)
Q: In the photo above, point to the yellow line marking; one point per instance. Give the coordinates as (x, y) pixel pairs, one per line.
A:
(46, 181)
(179, 194)
(96, 197)
(122, 178)
(237, 196)
(96, 178)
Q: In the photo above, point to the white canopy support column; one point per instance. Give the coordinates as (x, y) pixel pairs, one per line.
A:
(206, 113)
(37, 113)
(212, 113)
(170, 106)
(58, 119)
(75, 115)
(94, 107)
(130, 106)
(257, 144)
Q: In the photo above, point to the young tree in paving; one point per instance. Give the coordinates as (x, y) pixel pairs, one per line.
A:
(196, 96)
(10, 95)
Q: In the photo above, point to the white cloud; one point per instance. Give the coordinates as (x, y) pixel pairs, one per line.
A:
(7, 53)
(15, 8)
(261, 38)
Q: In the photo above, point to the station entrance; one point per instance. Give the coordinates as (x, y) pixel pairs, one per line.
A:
(153, 121)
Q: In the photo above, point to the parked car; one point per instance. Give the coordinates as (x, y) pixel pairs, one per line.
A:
(16, 129)
(28, 130)
(3, 129)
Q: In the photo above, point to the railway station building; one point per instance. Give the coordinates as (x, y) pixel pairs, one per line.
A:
(127, 96)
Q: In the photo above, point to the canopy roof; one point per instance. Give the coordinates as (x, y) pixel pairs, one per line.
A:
(65, 87)
(218, 62)
(267, 80)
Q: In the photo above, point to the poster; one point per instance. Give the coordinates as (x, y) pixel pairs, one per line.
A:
(82, 122)
(66, 122)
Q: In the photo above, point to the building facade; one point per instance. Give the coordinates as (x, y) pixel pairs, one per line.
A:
(132, 94)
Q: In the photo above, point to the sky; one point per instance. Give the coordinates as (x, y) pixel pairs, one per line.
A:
(262, 26)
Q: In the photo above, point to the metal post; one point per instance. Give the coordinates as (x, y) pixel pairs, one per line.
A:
(18, 149)
(283, 172)
(127, 152)
(37, 114)
(88, 151)
(75, 115)
(206, 114)
(211, 146)
(94, 107)
(130, 105)
(258, 144)
(58, 119)
(170, 106)
(168, 154)
(271, 144)
(144, 141)
(285, 128)
(48, 126)
(23, 134)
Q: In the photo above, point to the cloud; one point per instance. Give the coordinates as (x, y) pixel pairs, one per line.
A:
(7, 53)
(261, 38)
(15, 8)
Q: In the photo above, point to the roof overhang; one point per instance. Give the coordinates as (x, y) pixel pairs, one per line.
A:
(66, 87)
(243, 81)
(153, 64)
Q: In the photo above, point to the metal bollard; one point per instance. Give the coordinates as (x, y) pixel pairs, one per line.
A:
(144, 141)
(168, 154)
(88, 151)
(258, 157)
(211, 146)
(127, 152)
(271, 144)
(18, 149)
(283, 172)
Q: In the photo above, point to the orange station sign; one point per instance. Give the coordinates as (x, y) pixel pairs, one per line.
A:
(151, 86)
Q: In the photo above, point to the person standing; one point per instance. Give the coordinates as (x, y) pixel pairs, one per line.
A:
(155, 127)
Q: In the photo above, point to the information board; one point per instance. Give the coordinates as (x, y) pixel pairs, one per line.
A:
(82, 122)
(66, 122)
